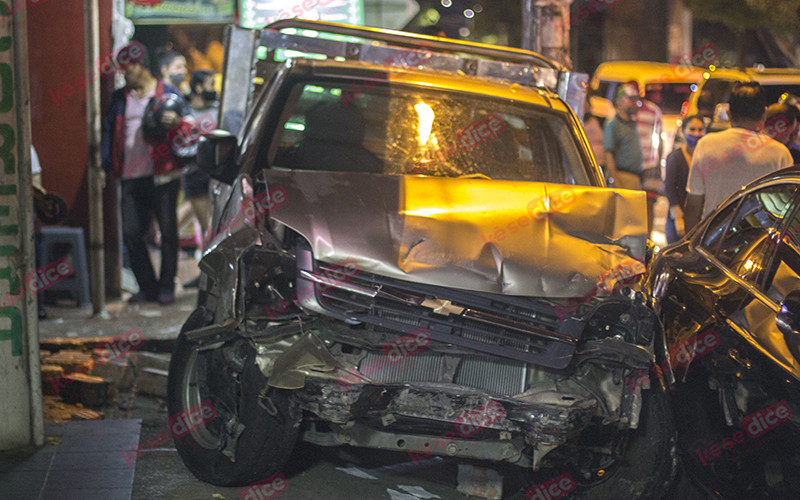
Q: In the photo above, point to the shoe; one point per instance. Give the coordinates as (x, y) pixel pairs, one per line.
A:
(166, 297)
(192, 284)
(141, 297)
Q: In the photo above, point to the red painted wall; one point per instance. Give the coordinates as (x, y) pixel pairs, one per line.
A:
(56, 51)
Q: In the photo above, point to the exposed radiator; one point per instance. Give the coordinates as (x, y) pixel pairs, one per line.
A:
(503, 378)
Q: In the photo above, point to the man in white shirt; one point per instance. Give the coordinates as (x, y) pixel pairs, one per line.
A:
(725, 161)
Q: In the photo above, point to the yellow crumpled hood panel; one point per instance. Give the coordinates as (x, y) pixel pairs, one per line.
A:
(509, 237)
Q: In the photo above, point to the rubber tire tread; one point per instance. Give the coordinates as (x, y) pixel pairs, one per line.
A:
(265, 444)
(651, 454)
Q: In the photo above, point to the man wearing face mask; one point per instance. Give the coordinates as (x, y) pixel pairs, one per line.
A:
(621, 142)
(173, 69)
(146, 169)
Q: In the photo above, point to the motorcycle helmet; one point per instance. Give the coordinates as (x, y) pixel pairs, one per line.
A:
(151, 121)
(154, 130)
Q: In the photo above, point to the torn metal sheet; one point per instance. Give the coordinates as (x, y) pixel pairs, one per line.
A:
(307, 354)
(510, 237)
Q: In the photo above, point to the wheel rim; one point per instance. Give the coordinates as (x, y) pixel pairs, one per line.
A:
(194, 391)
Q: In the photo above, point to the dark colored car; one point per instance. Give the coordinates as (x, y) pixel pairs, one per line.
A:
(728, 295)
(417, 256)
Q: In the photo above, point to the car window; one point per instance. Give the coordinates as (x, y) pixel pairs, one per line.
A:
(606, 89)
(397, 129)
(773, 92)
(716, 228)
(748, 242)
(785, 274)
(713, 93)
(668, 96)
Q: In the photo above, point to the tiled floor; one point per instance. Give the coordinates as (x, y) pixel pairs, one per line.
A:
(81, 461)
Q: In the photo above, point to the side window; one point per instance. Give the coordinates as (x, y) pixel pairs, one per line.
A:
(717, 228)
(749, 241)
(606, 89)
(714, 92)
(785, 275)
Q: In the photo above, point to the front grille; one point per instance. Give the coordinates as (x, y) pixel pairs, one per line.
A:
(518, 328)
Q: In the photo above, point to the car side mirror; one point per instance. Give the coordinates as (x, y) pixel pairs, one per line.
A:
(216, 154)
(788, 318)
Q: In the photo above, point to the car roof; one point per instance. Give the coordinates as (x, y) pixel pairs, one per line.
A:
(764, 76)
(646, 72)
(440, 80)
(791, 174)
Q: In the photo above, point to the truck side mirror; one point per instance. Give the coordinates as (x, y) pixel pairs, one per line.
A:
(216, 154)
(788, 318)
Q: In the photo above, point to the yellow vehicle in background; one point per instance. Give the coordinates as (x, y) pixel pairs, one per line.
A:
(668, 86)
(715, 86)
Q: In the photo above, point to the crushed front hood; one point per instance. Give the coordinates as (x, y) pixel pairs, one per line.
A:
(509, 237)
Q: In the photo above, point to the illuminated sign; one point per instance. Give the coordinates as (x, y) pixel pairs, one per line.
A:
(257, 14)
(180, 11)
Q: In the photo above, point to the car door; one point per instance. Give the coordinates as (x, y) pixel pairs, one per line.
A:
(775, 273)
(724, 267)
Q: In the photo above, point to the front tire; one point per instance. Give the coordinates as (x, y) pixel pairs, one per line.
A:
(647, 460)
(253, 431)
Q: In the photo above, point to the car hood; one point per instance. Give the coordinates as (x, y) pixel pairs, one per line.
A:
(507, 237)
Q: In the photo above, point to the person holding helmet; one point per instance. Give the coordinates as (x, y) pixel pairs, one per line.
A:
(621, 142)
(138, 161)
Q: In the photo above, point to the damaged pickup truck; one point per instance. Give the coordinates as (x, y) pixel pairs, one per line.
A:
(414, 246)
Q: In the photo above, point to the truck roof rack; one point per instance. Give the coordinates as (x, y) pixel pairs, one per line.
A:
(404, 39)
(253, 56)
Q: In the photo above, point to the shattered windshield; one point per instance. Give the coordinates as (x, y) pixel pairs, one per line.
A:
(397, 129)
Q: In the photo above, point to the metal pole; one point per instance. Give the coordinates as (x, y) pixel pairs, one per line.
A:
(94, 178)
(529, 33)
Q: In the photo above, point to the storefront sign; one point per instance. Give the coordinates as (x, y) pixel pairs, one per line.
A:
(260, 14)
(180, 11)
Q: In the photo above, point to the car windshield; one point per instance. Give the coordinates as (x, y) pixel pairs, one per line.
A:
(669, 96)
(398, 129)
(717, 91)
(774, 92)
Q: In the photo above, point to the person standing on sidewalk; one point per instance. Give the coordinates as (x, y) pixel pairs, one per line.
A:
(137, 162)
(725, 161)
(621, 142)
(205, 108)
(173, 68)
(677, 174)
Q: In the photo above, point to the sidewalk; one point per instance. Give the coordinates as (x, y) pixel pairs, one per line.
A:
(80, 461)
(156, 322)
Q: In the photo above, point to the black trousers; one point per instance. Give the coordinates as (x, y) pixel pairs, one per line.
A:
(140, 200)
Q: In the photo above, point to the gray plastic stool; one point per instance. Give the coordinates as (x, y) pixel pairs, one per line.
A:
(59, 241)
